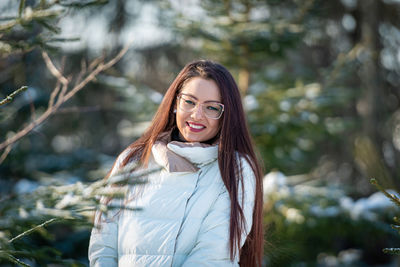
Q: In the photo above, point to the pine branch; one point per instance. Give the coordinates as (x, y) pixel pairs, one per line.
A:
(392, 251)
(29, 15)
(396, 201)
(80, 5)
(392, 197)
(21, 7)
(395, 227)
(12, 259)
(10, 97)
(34, 229)
(75, 203)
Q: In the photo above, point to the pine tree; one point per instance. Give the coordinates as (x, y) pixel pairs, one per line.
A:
(396, 225)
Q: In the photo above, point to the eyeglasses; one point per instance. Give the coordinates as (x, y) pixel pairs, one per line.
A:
(212, 110)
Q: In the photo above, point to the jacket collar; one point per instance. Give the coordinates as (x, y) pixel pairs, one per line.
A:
(176, 156)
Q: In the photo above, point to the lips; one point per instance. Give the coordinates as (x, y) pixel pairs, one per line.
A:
(195, 127)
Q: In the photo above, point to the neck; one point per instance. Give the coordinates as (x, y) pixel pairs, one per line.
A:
(176, 136)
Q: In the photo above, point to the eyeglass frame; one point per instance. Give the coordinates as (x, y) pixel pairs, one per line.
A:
(201, 104)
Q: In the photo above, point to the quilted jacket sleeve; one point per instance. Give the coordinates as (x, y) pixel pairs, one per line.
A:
(212, 247)
(103, 245)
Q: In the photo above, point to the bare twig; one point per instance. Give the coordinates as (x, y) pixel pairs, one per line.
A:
(62, 98)
(10, 97)
(56, 73)
(54, 94)
(82, 72)
(100, 68)
(95, 62)
(5, 153)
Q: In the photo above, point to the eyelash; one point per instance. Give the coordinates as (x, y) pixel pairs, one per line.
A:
(190, 102)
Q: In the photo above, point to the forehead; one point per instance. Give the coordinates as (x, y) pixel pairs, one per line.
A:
(202, 89)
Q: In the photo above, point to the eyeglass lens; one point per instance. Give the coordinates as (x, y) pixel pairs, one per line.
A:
(211, 109)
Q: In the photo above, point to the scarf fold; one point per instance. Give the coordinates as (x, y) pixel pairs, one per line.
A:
(176, 156)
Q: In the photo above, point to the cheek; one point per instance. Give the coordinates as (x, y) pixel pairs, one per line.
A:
(180, 119)
(215, 126)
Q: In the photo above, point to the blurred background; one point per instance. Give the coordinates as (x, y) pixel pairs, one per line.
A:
(320, 85)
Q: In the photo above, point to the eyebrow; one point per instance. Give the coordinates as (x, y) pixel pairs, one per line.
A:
(207, 101)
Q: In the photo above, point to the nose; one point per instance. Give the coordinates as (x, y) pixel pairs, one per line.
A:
(197, 112)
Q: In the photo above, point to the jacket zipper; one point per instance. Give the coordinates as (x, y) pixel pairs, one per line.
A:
(180, 227)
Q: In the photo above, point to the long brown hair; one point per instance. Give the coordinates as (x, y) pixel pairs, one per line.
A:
(230, 144)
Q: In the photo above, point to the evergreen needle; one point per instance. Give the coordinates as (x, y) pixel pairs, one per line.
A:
(13, 259)
(10, 97)
(391, 197)
(393, 251)
(34, 229)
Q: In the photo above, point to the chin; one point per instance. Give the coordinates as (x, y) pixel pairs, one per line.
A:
(195, 138)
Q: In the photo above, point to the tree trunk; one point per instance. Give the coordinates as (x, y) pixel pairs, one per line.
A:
(370, 106)
(244, 72)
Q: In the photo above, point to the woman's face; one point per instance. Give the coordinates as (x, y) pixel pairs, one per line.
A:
(195, 126)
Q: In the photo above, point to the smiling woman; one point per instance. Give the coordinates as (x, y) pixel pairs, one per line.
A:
(204, 207)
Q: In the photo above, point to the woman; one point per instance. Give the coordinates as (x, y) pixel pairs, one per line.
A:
(204, 207)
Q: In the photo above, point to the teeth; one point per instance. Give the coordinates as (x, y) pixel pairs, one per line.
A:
(195, 126)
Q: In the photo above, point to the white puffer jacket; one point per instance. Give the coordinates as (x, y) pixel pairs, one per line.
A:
(184, 216)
